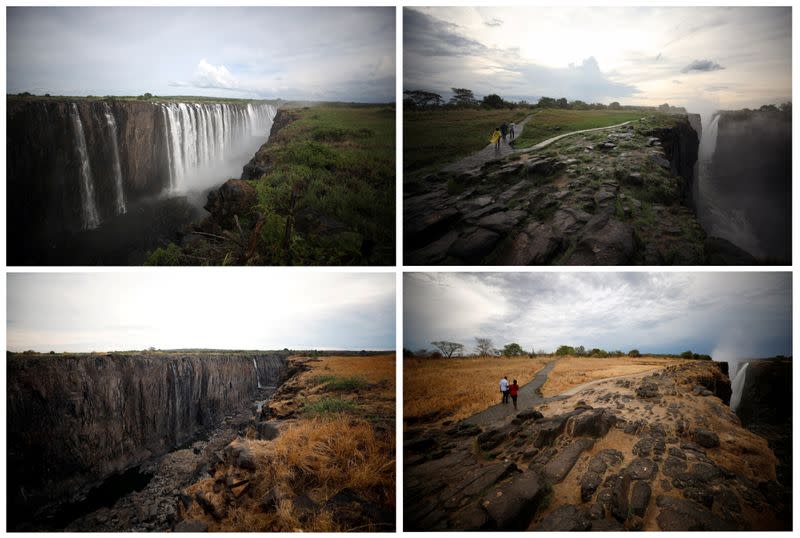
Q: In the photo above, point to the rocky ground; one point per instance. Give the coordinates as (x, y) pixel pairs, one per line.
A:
(614, 197)
(659, 451)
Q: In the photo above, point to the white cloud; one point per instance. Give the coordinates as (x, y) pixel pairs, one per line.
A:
(212, 76)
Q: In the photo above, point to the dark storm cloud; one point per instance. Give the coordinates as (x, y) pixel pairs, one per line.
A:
(702, 66)
(434, 37)
(731, 313)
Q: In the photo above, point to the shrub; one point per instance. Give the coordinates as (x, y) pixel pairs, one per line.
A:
(634, 353)
(565, 350)
(328, 406)
(171, 255)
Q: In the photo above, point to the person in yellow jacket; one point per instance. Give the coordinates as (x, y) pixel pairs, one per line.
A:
(495, 138)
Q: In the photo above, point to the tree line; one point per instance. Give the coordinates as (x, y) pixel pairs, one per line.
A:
(484, 347)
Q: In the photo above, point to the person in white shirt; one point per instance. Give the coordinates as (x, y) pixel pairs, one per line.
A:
(504, 389)
(511, 132)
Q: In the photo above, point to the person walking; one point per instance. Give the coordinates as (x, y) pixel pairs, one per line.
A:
(504, 389)
(495, 138)
(513, 390)
(504, 130)
(511, 128)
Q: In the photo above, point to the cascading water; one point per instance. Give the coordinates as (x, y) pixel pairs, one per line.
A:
(112, 127)
(258, 377)
(718, 217)
(91, 219)
(737, 386)
(201, 137)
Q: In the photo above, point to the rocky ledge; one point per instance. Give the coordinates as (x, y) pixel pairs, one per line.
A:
(649, 452)
(613, 197)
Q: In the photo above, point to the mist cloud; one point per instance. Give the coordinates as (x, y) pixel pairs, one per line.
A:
(702, 66)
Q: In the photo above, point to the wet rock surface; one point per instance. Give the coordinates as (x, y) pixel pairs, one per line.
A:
(608, 197)
(580, 466)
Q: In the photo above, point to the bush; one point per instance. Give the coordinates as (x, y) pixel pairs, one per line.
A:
(687, 355)
(328, 406)
(565, 350)
(171, 255)
(634, 353)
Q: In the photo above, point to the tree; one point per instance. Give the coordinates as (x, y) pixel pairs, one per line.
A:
(580, 351)
(578, 105)
(421, 98)
(687, 355)
(565, 350)
(546, 102)
(786, 107)
(512, 350)
(484, 346)
(448, 348)
(634, 353)
(768, 108)
(463, 97)
(614, 106)
(562, 102)
(493, 101)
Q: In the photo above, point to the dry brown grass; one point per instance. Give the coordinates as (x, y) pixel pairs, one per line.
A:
(435, 390)
(317, 456)
(570, 372)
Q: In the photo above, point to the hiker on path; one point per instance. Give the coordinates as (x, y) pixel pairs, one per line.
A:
(513, 390)
(511, 128)
(504, 389)
(504, 130)
(495, 138)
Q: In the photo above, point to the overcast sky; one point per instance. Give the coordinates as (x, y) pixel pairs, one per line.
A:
(230, 309)
(727, 315)
(343, 54)
(702, 58)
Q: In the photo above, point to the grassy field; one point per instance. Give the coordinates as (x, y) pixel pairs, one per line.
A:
(435, 390)
(324, 449)
(548, 123)
(570, 372)
(334, 177)
(434, 138)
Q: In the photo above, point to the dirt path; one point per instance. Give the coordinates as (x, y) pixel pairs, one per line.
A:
(545, 143)
(530, 396)
(489, 153)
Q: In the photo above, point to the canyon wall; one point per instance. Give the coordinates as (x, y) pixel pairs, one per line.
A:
(73, 165)
(75, 420)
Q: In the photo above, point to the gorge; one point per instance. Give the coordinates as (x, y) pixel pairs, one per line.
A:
(83, 424)
(100, 181)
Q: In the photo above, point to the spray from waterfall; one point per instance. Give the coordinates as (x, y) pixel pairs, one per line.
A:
(203, 137)
(91, 219)
(738, 386)
(117, 169)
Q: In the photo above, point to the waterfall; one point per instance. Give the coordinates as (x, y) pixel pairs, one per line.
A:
(118, 189)
(175, 391)
(737, 386)
(91, 219)
(202, 137)
(258, 377)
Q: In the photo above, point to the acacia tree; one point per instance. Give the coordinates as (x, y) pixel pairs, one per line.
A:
(463, 97)
(513, 350)
(447, 349)
(484, 346)
(421, 98)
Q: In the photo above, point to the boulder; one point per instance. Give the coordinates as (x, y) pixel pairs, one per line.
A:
(590, 481)
(558, 467)
(706, 438)
(240, 455)
(687, 515)
(266, 431)
(513, 504)
(566, 518)
(191, 525)
(234, 197)
(647, 390)
(594, 423)
(640, 498)
(605, 240)
(474, 245)
(538, 244)
(642, 469)
(502, 222)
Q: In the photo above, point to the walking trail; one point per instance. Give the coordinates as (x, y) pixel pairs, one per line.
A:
(490, 153)
(530, 396)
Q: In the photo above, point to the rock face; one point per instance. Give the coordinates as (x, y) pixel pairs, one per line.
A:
(134, 150)
(73, 421)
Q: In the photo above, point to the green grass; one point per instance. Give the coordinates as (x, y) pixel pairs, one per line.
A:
(328, 406)
(548, 123)
(434, 138)
(339, 383)
(333, 164)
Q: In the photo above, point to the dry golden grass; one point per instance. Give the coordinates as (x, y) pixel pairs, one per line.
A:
(570, 372)
(317, 456)
(435, 390)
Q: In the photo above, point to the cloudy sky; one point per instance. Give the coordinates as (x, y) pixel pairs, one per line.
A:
(702, 58)
(229, 309)
(258, 52)
(727, 315)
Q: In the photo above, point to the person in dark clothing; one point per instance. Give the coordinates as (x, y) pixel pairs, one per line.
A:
(504, 130)
(513, 391)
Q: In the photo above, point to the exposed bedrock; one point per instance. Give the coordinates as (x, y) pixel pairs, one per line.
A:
(74, 421)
